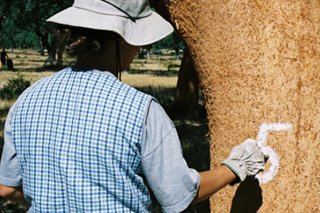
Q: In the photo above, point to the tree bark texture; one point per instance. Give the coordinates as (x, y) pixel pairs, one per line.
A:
(259, 62)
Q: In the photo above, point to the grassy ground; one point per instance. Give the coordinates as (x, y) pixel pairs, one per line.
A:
(156, 76)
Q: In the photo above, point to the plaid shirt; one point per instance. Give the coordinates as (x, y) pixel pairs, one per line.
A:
(77, 137)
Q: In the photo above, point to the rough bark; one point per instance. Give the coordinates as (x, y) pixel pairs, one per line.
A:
(259, 62)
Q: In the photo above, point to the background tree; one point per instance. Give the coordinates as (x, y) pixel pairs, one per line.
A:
(187, 96)
(30, 16)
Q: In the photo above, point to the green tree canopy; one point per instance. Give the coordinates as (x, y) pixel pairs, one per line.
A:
(173, 41)
(23, 25)
(23, 21)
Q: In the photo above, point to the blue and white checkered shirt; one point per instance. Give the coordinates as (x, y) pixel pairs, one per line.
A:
(81, 132)
(83, 139)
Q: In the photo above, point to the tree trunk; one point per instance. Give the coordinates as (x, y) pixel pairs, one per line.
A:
(259, 62)
(51, 57)
(60, 56)
(187, 97)
(50, 48)
(60, 37)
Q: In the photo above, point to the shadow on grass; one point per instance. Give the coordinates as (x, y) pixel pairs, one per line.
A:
(7, 206)
(45, 68)
(195, 146)
(3, 113)
(164, 95)
(168, 73)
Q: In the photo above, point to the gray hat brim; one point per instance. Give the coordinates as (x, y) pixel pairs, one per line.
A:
(143, 31)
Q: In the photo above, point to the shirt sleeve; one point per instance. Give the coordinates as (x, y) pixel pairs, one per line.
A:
(9, 165)
(173, 183)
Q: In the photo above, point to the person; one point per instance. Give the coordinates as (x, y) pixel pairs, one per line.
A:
(83, 141)
(4, 57)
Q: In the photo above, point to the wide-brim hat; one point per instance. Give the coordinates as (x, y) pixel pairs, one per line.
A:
(133, 19)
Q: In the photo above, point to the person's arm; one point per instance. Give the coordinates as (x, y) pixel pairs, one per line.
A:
(244, 159)
(10, 178)
(13, 193)
(212, 181)
(174, 184)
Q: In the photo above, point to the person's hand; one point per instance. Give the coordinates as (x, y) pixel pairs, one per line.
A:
(245, 159)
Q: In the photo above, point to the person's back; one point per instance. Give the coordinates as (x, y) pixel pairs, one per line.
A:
(78, 136)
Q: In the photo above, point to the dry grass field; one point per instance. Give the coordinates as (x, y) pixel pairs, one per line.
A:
(148, 75)
(156, 76)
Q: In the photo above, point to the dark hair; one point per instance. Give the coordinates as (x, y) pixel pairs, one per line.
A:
(82, 42)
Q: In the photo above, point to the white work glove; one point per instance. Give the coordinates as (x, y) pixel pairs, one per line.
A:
(245, 159)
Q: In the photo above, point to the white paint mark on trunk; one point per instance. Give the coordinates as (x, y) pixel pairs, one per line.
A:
(268, 151)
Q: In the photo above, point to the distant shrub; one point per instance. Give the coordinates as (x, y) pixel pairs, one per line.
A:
(14, 88)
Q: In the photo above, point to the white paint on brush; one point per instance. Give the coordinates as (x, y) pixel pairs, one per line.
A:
(268, 151)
